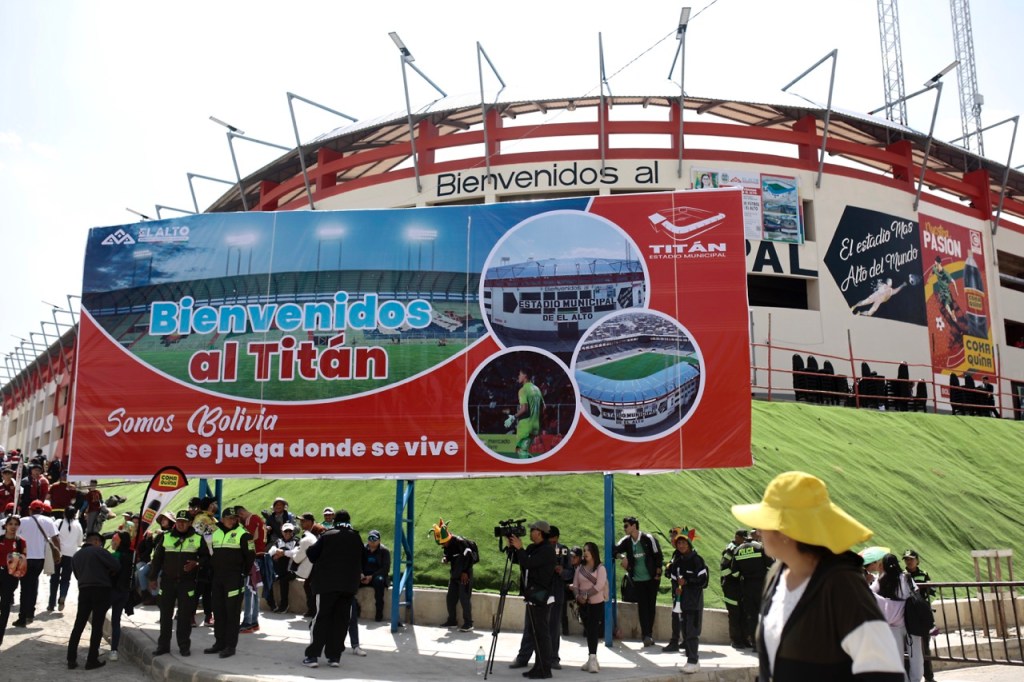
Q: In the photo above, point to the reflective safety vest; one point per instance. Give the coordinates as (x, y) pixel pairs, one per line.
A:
(231, 539)
(186, 545)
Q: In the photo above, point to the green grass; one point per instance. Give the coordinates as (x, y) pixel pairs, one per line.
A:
(943, 485)
(636, 366)
(404, 361)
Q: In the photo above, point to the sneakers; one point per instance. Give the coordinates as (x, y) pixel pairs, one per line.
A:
(208, 621)
(249, 629)
(92, 665)
(518, 664)
(691, 668)
(60, 604)
(333, 662)
(670, 648)
(358, 651)
(468, 627)
(648, 641)
(449, 624)
(20, 623)
(112, 657)
(310, 662)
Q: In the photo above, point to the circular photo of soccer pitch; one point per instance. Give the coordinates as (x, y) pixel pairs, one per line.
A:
(521, 405)
(640, 375)
(554, 275)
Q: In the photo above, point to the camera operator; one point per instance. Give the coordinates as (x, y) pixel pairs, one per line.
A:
(537, 563)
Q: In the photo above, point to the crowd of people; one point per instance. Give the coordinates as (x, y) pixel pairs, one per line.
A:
(790, 581)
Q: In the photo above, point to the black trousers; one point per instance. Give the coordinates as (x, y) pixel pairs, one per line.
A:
(7, 587)
(183, 594)
(737, 631)
(751, 604)
(226, 596)
(460, 594)
(646, 596)
(539, 620)
(30, 588)
(93, 604)
(690, 623)
(333, 610)
(593, 625)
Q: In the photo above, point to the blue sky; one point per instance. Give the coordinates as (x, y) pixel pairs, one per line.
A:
(107, 105)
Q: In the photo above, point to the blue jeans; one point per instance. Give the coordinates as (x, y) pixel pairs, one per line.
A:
(267, 573)
(62, 577)
(142, 579)
(250, 606)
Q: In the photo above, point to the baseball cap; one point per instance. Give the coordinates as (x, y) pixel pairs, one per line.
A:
(373, 535)
(541, 525)
(229, 511)
(182, 515)
(910, 554)
(328, 510)
(128, 514)
(554, 532)
(36, 504)
(288, 526)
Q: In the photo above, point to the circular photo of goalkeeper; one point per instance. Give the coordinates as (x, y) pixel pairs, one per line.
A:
(521, 405)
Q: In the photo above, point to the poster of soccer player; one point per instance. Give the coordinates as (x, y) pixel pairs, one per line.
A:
(359, 343)
(957, 302)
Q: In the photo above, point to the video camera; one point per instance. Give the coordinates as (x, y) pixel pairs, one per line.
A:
(506, 529)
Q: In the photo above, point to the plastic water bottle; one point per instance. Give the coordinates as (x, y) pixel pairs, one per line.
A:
(480, 661)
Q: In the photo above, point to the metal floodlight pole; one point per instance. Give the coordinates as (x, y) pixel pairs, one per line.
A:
(298, 141)
(49, 357)
(1006, 170)
(483, 103)
(192, 189)
(141, 215)
(160, 207)
(680, 56)
(71, 308)
(834, 56)
(602, 84)
(60, 349)
(407, 60)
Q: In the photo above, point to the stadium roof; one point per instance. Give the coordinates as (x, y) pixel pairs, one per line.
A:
(458, 114)
(635, 390)
(552, 267)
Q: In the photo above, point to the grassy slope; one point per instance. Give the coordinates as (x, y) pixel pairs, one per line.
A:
(943, 485)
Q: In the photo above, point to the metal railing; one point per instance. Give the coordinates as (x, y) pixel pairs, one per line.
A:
(978, 622)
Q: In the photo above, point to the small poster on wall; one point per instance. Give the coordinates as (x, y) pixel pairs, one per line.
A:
(782, 219)
(751, 185)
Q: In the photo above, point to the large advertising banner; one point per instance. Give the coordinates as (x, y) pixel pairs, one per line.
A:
(591, 334)
(957, 303)
(875, 260)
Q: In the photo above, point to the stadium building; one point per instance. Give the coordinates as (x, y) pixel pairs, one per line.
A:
(868, 241)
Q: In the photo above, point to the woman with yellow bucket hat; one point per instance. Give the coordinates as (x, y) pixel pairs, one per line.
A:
(819, 620)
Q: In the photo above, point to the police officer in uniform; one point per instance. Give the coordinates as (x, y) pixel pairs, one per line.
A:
(732, 591)
(233, 556)
(751, 563)
(179, 554)
(912, 562)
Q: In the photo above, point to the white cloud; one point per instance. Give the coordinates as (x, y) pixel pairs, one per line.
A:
(10, 139)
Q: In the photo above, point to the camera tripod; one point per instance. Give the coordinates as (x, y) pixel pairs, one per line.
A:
(506, 580)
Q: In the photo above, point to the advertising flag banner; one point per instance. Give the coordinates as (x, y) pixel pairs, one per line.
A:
(957, 302)
(591, 334)
(164, 485)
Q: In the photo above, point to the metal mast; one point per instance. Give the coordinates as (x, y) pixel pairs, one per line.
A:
(892, 61)
(967, 76)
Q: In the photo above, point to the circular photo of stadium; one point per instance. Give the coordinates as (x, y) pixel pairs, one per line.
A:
(554, 275)
(640, 375)
(521, 405)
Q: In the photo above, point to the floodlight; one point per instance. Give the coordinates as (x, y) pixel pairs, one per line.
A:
(227, 125)
(684, 19)
(406, 55)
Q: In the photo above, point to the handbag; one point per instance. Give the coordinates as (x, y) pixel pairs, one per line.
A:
(628, 590)
(918, 616)
(52, 558)
(536, 595)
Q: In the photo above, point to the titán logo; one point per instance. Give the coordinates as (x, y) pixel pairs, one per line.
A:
(118, 238)
(684, 224)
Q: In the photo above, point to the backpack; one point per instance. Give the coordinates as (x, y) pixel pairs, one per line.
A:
(918, 616)
(474, 551)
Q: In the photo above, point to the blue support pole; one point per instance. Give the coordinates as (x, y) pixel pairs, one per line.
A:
(610, 610)
(204, 488)
(402, 564)
(218, 488)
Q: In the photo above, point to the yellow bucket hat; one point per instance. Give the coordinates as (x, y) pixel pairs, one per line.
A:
(797, 505)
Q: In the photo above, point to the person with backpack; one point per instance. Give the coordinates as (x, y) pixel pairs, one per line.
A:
(643, 561)
(689, 576)
(912, 562)
(892, 590)
(460, 554)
